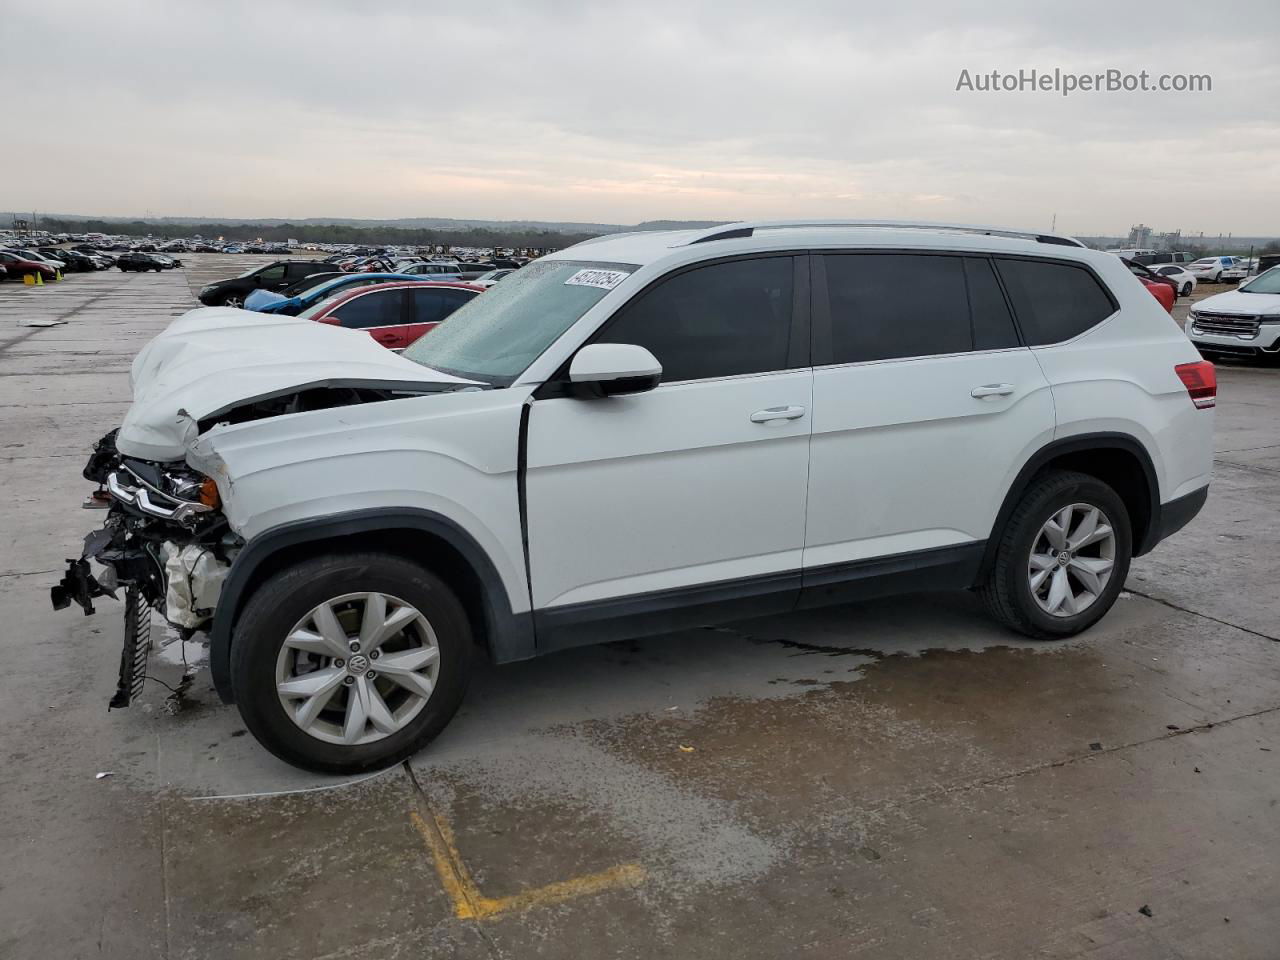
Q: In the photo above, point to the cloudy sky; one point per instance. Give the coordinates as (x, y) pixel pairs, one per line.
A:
(563, 110)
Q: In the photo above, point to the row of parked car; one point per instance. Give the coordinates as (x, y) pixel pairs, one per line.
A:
(46, 263)
(1190, 268)
(50, 263)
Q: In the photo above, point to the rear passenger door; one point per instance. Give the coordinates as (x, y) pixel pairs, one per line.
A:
(925, 406)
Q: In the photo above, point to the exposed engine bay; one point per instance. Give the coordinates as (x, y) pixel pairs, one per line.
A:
(320, 397)
(164, 542)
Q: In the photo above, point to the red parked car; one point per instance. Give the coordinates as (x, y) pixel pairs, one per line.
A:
(1162, 288)
(1161, 291)
(394, 314)
(19, 266)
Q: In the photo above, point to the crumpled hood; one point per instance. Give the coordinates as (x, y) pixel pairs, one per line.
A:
(1236, 302)
(213, 359)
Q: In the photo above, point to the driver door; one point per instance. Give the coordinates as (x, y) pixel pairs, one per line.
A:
(664, 509)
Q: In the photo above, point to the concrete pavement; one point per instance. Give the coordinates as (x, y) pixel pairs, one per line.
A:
(891, 779)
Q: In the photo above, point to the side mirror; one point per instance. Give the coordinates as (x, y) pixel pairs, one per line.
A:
(613, 369)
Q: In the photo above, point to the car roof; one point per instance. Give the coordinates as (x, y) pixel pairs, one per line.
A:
(677, 246)
(407, 284)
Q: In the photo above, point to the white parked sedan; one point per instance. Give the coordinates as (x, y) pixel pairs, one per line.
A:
(1211, 268)
(1239, 270)
(1179, 274)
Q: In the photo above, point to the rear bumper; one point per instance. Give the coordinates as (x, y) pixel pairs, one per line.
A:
(1173, 516)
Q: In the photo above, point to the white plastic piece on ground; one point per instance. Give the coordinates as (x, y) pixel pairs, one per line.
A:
(194, 581)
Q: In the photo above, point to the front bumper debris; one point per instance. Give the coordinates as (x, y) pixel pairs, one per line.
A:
(135, 651)
(163, 542)
(79, 584)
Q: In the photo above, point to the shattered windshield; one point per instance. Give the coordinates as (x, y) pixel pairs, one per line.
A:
(494, 337)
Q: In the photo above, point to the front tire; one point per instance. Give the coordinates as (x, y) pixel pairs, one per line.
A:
(350, 662)
(232, 300)
(1062, 558)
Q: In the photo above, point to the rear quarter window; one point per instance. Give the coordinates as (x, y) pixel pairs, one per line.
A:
(1054, 301)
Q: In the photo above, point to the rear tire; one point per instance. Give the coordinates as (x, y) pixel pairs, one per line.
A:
(1011, 592)
(261, 662)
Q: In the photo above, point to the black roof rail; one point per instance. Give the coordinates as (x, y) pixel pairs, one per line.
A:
(748, 228)
(734, 234)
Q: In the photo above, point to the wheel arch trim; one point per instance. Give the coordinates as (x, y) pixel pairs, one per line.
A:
(510, 633)
(1079, 443)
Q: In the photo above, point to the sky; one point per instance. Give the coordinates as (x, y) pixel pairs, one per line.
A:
(618, 113)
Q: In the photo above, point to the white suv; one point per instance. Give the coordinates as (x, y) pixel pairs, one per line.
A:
(1244, 322)
(641, 433)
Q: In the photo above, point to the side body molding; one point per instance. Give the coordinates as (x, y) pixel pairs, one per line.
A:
(510, 634)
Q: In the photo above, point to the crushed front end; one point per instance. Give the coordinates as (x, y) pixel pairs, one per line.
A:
(164, 542)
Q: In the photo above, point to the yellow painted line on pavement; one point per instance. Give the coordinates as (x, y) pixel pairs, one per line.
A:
(470, 904)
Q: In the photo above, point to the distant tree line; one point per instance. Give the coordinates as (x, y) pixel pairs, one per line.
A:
(321, 233)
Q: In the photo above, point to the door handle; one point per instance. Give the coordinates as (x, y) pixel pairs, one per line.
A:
(769, 414)
(992, 390)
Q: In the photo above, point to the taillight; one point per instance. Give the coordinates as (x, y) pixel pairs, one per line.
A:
(1201, 381)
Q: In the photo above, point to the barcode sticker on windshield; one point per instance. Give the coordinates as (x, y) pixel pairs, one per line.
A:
(604, 279)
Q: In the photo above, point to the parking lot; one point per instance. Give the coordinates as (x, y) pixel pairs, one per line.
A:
(897, 778)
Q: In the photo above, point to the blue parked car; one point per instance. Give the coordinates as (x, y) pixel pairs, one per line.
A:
(264, 301)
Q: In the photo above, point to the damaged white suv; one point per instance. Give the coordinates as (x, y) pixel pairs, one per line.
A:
(638, 434)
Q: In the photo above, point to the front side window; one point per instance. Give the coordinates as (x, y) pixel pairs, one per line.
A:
(275, 272)
(721, 320)
(378, 308)
(496, 336)
(1054, 301)
(898, 305)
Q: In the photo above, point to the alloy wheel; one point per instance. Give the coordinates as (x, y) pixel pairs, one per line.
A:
(357, 668)
(1072, 558)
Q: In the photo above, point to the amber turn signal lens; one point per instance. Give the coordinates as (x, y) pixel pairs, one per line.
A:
(209, 493)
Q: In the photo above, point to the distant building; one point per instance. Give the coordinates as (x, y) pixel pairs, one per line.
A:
(1139, 236)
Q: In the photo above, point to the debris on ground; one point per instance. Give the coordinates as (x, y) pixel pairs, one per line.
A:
(1145, 911)
(40, 323)
(104, 774)
(684, 749)
(1095, 746)
(1172, 726)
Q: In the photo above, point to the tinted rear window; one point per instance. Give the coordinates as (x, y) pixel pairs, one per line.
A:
(1054, 301)
(891, 306)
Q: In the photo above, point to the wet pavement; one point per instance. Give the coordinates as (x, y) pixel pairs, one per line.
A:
(890, 779)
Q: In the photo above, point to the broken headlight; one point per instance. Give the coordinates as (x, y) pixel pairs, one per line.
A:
(171, 492)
